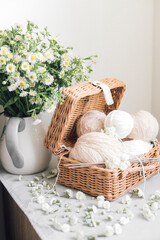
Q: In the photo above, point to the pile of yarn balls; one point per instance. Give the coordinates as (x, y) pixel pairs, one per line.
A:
(99, 137)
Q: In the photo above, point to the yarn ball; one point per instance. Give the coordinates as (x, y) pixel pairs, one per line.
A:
(91, 121)
(137, 147)
(96, 147)
(145, 128)
(122, 121)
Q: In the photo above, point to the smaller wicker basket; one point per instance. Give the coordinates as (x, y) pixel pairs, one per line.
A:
(93, 180)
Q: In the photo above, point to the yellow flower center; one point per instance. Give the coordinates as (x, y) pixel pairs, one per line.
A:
(39, 56)
(3, 52)
(43, 58)
(65, 57)
(32, 84)
(17, 38)
(42, 80)
(66, 63)
(22, 79)
(2, 60)
(32, 76)
(38, 100)
(10, 68)
(22, 84)
(48, 54)
(25, 65)
(33, 58)
(42, 70)
(32, 93)
(28, 37)
(16, 59)
(9, 55)
(30, 67)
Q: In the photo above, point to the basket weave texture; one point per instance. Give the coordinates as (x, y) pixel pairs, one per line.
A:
(61, 134)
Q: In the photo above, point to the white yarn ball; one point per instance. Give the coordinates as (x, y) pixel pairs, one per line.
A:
(145, 128)
(96, 147)
(137, 147)
(122, 121)
(91, 121)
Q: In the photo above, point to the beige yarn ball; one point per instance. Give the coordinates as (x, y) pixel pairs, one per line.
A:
(121, 121)
(145, 128)
(96, 147)
(91, 121)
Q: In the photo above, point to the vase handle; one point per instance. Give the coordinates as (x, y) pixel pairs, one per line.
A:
(14, 126)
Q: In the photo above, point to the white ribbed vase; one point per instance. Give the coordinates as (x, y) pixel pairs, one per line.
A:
(22, 150)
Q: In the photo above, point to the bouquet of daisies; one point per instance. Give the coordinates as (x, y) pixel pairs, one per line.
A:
(34, 68)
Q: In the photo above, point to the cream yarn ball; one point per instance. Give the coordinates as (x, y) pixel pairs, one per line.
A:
(96, 147)
(122, 121)
(137, 147)
(146, 126)
(91, 121)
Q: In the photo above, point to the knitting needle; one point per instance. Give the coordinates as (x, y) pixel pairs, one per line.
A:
(145, 160)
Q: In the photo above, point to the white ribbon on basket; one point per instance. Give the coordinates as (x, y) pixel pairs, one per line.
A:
(106, 91)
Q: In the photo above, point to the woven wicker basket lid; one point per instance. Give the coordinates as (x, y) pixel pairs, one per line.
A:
(78, 100)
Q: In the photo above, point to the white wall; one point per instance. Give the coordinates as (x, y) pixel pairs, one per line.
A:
(119, 31)
(156, 63)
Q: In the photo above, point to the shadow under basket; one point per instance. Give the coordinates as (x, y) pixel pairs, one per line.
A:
(93, 180)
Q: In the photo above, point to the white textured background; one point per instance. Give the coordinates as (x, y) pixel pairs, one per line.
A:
(124, 33)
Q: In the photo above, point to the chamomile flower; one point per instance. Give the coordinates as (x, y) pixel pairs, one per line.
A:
(23, 94)
(32, 84)
(12, 87)
(16, 58)
(39, 56)
(117, 228)
(38, 101)
(3, 53)
(49, 55)
(12, 42)
(18, 37)
(42, 69)
(61, 74)
(2, 61)
(9, 55)
(37, 121)
(51, 108)
(10, 68)
(66, 63)
(32, 58)
(22, 84)
(32, 101)
(5, 48)
(80, 195)
(25, 66)
(27, 36)
(16, 75)
(32, 76)
(32, 93)
(109, 231)
(49, 80)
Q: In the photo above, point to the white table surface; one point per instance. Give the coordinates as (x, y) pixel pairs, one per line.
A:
(137, 229)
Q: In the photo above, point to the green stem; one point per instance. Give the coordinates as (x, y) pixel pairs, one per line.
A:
(27, 104)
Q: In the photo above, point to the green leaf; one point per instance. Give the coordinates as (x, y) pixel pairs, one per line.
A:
(11, 101)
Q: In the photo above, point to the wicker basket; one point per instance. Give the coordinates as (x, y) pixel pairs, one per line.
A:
(93, 180)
